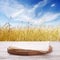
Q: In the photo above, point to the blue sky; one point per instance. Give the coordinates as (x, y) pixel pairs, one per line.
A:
(32, 12)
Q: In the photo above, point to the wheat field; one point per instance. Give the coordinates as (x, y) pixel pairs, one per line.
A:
(31, 34)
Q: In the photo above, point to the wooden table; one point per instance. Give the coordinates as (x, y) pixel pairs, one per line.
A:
(55, 55)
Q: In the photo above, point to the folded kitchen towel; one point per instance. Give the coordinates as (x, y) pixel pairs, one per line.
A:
(30, 48)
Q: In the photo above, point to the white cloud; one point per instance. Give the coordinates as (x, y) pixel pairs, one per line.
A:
(40, 4)
(28, 14)
(53, 5)
(46, 17)
(12, 9)
(19, 12)
(49, 16)
(9, 6)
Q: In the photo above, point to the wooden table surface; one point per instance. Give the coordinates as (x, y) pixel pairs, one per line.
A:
(55, 55)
